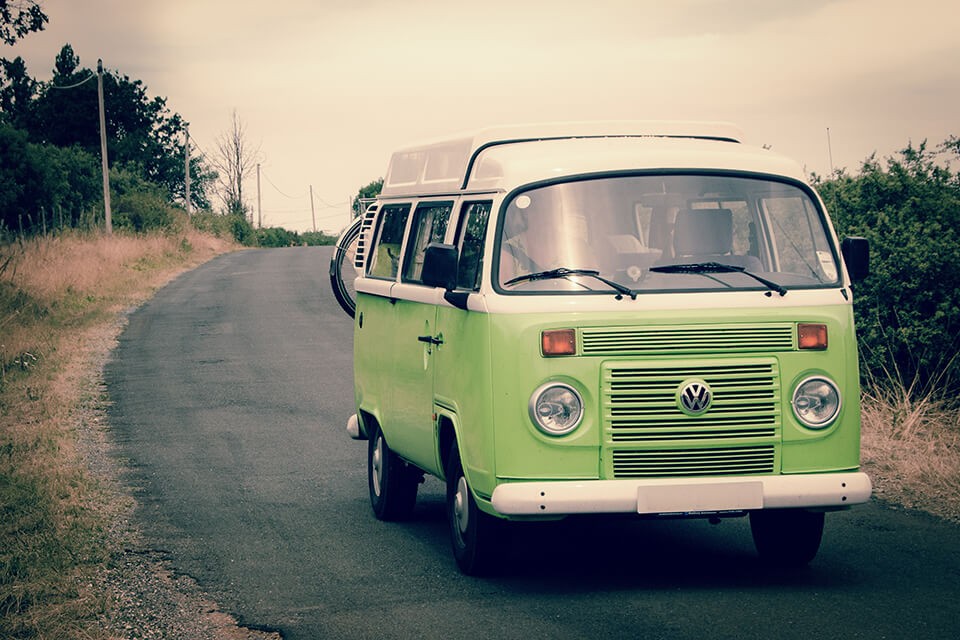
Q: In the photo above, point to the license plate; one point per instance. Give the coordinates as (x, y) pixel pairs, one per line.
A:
(698, 498)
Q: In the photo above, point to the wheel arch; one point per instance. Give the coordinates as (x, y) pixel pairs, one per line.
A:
(368, 423)
(446, 438)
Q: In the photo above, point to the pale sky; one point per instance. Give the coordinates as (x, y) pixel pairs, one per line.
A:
(328, 88)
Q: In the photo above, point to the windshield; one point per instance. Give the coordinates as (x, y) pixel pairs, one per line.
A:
(637, 232)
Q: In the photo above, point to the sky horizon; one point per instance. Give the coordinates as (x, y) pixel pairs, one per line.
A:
(328, 89)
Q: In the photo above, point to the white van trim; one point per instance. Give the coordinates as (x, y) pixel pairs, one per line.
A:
(686, 496)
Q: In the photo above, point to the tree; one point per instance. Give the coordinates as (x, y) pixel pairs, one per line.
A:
(50, 142)
(234, 161)
(17, 91)
(366, 193)
(18, 18)
(143, 135)
(908, 309)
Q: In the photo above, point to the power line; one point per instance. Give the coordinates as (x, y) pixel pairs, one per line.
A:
(73, 86)
(278, 189)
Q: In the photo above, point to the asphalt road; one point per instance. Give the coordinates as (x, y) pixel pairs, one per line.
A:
(230, 392)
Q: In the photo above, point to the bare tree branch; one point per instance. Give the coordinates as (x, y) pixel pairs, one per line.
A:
(234, 161)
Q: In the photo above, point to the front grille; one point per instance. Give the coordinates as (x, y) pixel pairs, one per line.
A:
(690, 339)
(736, 435)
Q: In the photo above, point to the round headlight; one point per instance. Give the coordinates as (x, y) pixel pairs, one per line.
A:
(556, 408)
(816, 402)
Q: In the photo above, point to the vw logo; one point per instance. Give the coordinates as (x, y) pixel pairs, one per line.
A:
(694, 397)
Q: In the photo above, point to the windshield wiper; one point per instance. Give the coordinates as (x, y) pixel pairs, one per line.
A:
(563, 272)
(716, 267)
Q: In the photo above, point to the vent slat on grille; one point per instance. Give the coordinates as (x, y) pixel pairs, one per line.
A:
(694, 462)
(712, 339)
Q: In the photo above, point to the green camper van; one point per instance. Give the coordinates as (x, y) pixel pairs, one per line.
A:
(647, 318)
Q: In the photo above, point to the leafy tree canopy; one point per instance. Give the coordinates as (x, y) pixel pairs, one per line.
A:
(368, 192)
(142, 136)
(18, 18)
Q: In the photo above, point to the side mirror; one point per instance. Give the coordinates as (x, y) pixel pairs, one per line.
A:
(856, 255)
(440, 266)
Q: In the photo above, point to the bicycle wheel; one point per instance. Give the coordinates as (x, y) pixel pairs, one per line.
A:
(342, 269)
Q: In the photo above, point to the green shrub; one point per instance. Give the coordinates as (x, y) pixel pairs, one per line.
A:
(908, 309)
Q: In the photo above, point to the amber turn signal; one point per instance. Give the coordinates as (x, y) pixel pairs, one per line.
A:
(558, 342)
(812, 336)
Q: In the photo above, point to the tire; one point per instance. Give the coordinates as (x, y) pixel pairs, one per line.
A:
(342, 270)
(393, 483)
(476, 538)
(787, 538)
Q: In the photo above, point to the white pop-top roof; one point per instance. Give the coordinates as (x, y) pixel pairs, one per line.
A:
(452, 164)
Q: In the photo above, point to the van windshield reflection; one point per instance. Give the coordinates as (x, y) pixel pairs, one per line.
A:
(664, 233)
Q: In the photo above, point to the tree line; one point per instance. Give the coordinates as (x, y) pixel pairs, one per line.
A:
(50, 162)
(50, 144)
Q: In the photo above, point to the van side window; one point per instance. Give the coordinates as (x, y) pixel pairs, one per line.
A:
(429, 225)
(473, 230)
(385, 255)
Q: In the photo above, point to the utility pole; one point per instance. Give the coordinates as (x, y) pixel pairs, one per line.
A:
(103, 150)
(259, 210)
(313, 213)
(830, 150)
(186, 168)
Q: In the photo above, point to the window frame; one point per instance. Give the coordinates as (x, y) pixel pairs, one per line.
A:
(460, 238)
(414, 238)
(372, 259)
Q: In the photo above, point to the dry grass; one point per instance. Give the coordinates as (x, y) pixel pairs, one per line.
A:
(55, 292)
(911, 448)
(54, 283)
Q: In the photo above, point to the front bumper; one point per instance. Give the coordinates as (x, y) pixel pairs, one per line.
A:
(681, 495)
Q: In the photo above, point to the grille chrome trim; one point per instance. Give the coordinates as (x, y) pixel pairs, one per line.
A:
(690, 339)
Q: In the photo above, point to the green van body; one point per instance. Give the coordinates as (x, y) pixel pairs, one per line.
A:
(440, 370)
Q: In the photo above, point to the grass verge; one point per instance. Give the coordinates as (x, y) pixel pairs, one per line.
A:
(54, 291)
(911, 448)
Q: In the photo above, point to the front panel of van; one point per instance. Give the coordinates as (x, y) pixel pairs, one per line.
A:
(629, 381)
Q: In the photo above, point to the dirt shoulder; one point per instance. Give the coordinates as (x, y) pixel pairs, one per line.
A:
(144, 597)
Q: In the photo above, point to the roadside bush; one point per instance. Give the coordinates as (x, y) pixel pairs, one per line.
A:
(233, 226)
(317, 238)
(139, 205)
(908, 309)
(277, 237)
(241, 230)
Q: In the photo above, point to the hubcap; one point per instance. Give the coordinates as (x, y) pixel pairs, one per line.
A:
(461, 509)
(377, 463)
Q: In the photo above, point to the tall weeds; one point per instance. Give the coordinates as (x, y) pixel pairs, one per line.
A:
(56, 295)
(911, 443)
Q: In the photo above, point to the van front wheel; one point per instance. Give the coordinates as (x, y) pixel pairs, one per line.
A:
(475, 536)
(393, 483)
(786, 537)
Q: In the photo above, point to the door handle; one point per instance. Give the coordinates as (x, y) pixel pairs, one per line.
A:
(431, 340)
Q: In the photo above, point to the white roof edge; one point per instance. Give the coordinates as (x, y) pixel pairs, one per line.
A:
(456, 151)
(714, 130)
(612, 129)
